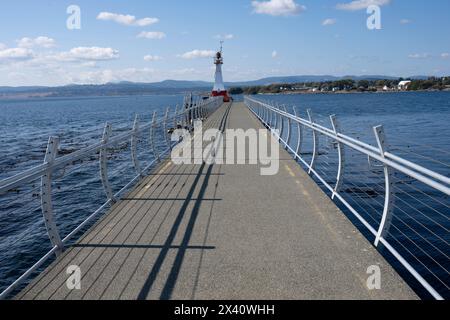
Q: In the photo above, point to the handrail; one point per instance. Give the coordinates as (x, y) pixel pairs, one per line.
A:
(264, 112)
(184, 117)
(373, 152)
(36, 172)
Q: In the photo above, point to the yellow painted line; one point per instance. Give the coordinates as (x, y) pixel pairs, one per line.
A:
(289, 170)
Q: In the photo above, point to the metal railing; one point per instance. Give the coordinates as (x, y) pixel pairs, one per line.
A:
(389, 219)
(54, 167)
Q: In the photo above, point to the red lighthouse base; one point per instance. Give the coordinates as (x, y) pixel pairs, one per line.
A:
(224, 94)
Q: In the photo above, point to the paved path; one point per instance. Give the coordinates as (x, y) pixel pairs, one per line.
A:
(222, 232)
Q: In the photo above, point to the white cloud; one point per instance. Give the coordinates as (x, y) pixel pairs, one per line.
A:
(44, 42)
(151, 35)
(89, 64)
(274, 54)
(134, 75)
(361, 4)
(2, 46)
(150, 57)
(16, 54)
(277, 7)
(224, 36)
(198, 54)
(126, 19)
(445, 55)
(111, 75)
(405, 21)
(88, 53)
(329, 22)
(419, 56)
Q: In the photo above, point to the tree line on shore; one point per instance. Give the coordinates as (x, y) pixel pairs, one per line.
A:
(347, 85)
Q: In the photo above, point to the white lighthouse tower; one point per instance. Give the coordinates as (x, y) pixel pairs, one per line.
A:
(219, 87)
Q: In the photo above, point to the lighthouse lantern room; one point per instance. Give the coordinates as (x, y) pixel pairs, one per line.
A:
(219, 87)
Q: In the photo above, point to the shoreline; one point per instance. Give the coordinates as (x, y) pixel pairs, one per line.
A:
(44, 97)
(350, 92)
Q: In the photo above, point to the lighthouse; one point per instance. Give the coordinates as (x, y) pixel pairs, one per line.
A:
(219, 87)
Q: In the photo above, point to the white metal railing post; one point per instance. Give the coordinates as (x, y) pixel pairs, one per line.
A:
(202, 110)
(185, 112)
(103, 163)
(389, 186)
(298, 150)
(289, 136)
(261, 113)
(315, 142)
(281, 125)
(275, 120)
(341, 155)
(166, 133)
(152, 138)
(175, 118)
(266, 115)
(134, 143)
(195, 110)
(46, 195)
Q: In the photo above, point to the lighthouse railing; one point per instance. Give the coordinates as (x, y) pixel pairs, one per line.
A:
(384, 201)
(54, 167)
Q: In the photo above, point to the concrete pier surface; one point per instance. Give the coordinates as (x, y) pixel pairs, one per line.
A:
(222, 232)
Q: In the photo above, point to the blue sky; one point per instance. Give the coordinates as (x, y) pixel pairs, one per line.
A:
(262, 38)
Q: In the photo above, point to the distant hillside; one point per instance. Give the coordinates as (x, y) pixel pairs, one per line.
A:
(164, 87)
(288, 79)
(303, 79)
(108, 89)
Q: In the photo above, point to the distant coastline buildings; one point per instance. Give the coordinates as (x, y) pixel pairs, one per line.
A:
(350, 86)
(403, 85)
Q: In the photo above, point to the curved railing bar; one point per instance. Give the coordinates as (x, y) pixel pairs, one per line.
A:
(134, 142)
(315, 137)
(341, 157)
(370, 151)
(288, 138)
(104, 165)
(36, 172)
(388, 164)
(299, 136)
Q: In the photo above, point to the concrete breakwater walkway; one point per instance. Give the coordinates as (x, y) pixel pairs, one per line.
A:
(222, 232)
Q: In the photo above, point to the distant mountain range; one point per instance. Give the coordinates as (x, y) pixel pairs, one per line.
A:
(163, 87)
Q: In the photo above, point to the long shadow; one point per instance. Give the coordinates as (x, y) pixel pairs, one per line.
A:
(175, 270)
(164, 251)
(183, 174)
(142, 246)
(170, 199)
(166, 293)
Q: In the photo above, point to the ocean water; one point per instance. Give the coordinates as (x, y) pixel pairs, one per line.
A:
(416, 126)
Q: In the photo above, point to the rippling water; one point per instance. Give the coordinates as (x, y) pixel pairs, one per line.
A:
(416, 125)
